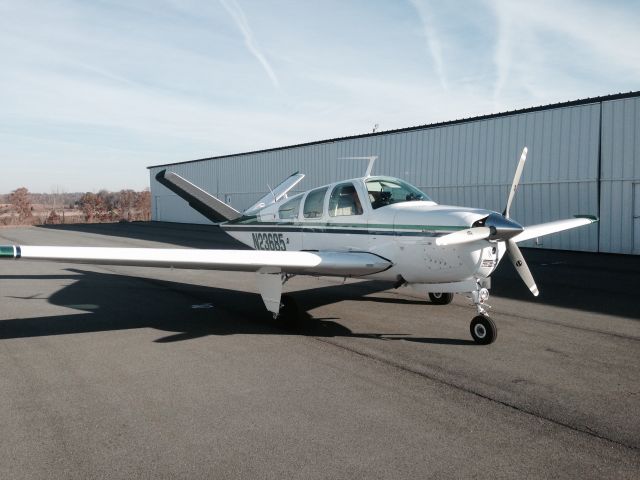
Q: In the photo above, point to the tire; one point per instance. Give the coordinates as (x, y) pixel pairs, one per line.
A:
(441, 298)
(483, 330)
(288, 315)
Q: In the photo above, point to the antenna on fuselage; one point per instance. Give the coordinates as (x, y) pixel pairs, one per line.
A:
(371, 159)
(272, 194)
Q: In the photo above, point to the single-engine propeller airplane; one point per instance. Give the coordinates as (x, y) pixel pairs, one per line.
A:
(372, 227)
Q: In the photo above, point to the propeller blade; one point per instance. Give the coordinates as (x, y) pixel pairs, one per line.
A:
(516, 181)
(521, 266)
(464, 236)
(534, 231)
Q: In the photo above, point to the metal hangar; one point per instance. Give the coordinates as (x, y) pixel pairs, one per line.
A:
(584, 158)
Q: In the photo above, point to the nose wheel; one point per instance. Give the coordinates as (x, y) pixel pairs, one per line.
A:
(483, 330)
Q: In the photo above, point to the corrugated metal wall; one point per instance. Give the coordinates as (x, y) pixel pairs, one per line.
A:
(470, 163)
(620, 177)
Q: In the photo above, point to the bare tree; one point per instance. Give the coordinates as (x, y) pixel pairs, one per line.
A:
(108, 203)
(21, 203)
(103, 206)
(92, 206)
(143, 205)
(126, 204)
(53, 218)
(56, 199)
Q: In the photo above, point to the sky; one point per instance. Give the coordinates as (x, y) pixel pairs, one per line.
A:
(91, 93)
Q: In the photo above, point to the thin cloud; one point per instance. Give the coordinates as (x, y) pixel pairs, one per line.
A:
(433, 41)
(539, 53)
(233, 8)
(502, 56)
(83, 89)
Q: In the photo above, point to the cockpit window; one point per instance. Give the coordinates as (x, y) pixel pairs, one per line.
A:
(290, 208)
(383, 192)
(314, 203)
(344, 201)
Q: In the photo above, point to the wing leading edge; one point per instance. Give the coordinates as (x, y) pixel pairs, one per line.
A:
(349, 264)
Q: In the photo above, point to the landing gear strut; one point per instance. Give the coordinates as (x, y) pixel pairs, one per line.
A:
(483, 330)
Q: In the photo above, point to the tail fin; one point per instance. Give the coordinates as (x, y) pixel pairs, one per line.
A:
(208, 205)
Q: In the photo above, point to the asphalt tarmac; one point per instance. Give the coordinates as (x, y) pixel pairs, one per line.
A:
(124, 372)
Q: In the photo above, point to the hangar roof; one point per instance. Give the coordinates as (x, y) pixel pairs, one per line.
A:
(572, 103)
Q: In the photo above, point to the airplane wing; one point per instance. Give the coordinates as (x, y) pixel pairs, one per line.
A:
(347, 264)
(542, 229)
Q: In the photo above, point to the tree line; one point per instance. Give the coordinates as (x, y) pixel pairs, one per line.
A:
(21, 207)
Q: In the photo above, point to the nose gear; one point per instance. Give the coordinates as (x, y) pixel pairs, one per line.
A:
(483, 329)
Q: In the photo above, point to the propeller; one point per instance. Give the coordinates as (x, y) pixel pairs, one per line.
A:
(499, 228)
(515, 255)
(464, 236)
(516, 181)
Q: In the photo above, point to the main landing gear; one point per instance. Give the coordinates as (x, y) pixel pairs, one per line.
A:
(289, 314)
(283, 307)
(483, 330)
(440, 298)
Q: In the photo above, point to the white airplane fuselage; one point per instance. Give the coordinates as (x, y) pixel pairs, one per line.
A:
(403, 233)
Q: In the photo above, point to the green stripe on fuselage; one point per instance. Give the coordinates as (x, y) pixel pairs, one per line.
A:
(252, 221)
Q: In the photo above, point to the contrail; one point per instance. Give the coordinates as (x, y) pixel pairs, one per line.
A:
(232, 7)
(433, 42)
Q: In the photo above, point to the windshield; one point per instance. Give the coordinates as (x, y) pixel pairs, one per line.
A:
(383, 191)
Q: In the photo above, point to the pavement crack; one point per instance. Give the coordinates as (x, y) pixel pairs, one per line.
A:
(574, 327)
(576, 428)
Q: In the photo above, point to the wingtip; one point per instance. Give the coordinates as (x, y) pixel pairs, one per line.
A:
(10, 251)
(593, 218)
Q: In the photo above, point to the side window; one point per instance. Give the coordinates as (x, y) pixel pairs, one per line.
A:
(314, 203)
(344, 201)
(290, 208)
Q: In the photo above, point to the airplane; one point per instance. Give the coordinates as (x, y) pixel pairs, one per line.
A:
(372, 227)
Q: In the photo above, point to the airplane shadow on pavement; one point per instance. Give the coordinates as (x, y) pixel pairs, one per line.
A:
(109, 302)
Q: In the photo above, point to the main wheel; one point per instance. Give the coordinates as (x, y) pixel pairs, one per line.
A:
(483, 330)
(441, 298)
(288, 314)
